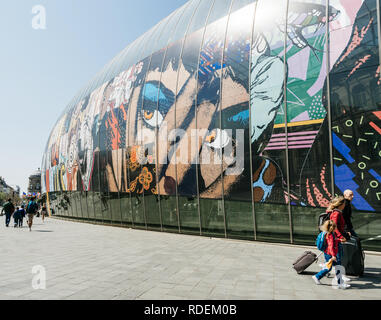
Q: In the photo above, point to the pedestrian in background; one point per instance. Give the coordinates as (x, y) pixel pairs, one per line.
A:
(16, 216)
(44, 212)
(31, 211)
(347, 212)
(8, 208)
(21, 216)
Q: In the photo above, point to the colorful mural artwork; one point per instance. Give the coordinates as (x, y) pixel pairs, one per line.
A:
(240, 88)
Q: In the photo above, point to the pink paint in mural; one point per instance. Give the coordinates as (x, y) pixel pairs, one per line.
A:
(323, 183)
(309, 196)
(355, 41)
(319, 83)
(359, 63)
(302, 117)
(351, 7)
(320, 198)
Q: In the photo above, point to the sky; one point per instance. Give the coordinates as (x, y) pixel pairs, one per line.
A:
(41, 70)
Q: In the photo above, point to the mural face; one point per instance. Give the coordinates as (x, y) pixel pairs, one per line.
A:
(218, 123)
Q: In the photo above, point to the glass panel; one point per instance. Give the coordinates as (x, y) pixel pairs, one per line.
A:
(154, 33)
(200, 16)
(53, 203)
(104, 193)
(183, 119)
(238, 4)
(95, 179)
(220, 9)
(95, 187)
(120, 98)
(83, 200)
(126, 211)
(170, 28)
(132, 56)
(267, 121)
(355, 106)
(235, 124)
(165, 107)
(167, 28)
(79, 206)
(184, 21)
(58, 203)
(114, 204)
(209, 123)
(74, 207)
(307, 132)
(117, 68)
(135, 152)
(67, 204)
(90, 204)
(151, 117)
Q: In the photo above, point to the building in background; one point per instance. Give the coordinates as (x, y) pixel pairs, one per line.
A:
(6, 191)
(229, 118)
(34, 185)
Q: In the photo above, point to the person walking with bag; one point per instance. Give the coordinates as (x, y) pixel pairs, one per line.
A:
(347, 212)
(8, 208)
(331, 251)
(335, 211)
(31, 211)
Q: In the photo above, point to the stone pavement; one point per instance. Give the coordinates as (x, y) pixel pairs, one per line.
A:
(85, 261)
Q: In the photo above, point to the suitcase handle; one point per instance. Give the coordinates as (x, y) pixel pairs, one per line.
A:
(317, 258)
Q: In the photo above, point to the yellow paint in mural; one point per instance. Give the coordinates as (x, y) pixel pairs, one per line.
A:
(299, 123)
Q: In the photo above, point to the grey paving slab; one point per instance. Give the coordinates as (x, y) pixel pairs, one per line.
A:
(93, 262)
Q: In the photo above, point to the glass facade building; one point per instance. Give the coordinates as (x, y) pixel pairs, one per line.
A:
(229, 118)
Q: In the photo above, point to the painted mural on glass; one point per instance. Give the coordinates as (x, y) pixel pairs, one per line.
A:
(231, 106)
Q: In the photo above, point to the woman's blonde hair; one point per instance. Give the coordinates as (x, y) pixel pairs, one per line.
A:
(328, 226)
(336, 202)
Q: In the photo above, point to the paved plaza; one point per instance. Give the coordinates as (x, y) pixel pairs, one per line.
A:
(86, 261)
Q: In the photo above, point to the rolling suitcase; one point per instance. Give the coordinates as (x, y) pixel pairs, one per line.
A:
(353, 257)
(304, 261)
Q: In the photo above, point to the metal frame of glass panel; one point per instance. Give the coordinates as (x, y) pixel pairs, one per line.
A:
(185, 7)
(215, 16)
(195, 101)
(286, 124)
(220, 116)
(329, 117)
(250, 133)
(162, 26)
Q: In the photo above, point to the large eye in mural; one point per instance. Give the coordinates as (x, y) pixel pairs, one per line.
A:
(156, 100)
(217, 139)
(152, 118)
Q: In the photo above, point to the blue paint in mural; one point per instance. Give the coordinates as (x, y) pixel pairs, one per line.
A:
(261, 184)
(375, 174)
(344, 180)
(342, 148)
(242, 117)
(151, 91)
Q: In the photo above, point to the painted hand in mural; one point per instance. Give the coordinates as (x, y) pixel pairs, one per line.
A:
(266, 89)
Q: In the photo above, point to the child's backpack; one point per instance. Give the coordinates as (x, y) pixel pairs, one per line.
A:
(321, 241)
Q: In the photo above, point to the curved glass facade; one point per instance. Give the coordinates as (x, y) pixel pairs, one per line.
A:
(229, 118)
